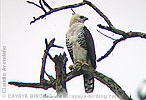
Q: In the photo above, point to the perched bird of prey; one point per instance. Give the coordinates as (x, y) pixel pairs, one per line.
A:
(81, 48)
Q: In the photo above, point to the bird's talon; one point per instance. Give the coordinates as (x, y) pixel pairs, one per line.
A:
(74, 67)
(82, 63)
(85, 64)
(71, 67)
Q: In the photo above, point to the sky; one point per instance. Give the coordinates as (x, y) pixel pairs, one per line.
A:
(24, 45)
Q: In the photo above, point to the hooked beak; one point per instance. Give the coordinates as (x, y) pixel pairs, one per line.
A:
(86, 18)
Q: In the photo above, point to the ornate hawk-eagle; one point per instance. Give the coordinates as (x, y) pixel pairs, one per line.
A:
(80, 45)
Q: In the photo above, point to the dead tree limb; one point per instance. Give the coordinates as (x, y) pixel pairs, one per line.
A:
(60, 62)
(108, 82)
(109, 28)
(61, 77)
(51, 10)
(46, 4)
(48, 46)
(30, 2)
(44, 84)
(84, 69)
(32, 85)
(125, 35)
(99, 12)
(122, 33)
(60, 67)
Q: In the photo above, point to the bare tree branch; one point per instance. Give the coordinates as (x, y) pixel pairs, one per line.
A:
(61, 77)
(108, 82)
(48, 46)
(111, 49)
(84, 69)
(124, 37)
(42, 7)
(135, 34)
(33, 85)
(112, 29)
(99, 12)
(124, 34)
(33, 3)
(105, 35)
(46, 4)
(60, 63)
(47, 84)
(51, 10)
(57, 9)
(51, 78)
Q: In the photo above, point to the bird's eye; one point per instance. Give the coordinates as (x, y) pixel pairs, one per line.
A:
(81, 17)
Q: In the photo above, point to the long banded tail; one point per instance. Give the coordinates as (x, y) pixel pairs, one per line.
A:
(88, 83)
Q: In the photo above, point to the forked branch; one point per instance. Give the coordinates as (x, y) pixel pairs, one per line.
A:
(122, 33)
(51, 10)
(84, 69)
(61, 78)
(109, 28)
(125, 35)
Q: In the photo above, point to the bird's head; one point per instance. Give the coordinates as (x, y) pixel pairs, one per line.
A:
(77, 18)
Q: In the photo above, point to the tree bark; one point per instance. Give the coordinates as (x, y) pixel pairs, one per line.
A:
(60, 67)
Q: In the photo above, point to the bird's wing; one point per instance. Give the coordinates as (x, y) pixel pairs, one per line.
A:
(89, 45)
(69, 47)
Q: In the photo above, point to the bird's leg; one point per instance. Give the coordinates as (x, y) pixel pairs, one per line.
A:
(74, 67)
(78, 65)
